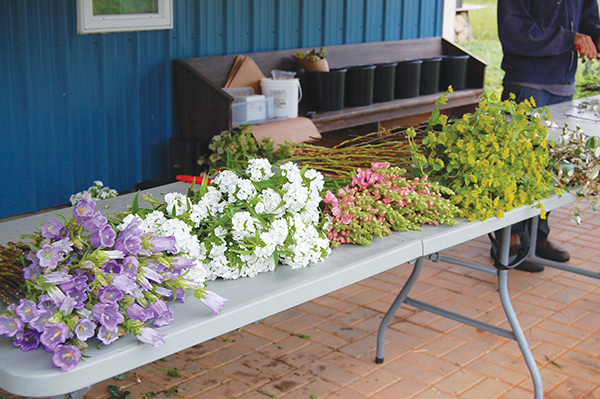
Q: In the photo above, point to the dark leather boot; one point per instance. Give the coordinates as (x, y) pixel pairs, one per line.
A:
(548, 250)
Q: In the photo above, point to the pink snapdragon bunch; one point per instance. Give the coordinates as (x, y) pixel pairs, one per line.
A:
(382, 199)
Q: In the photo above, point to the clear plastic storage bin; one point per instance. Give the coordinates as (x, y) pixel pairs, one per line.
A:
(254, 108)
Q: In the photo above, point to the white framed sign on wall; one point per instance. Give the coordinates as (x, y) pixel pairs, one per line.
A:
(103, 16)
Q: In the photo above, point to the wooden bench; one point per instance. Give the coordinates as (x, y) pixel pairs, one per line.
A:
(204, 109)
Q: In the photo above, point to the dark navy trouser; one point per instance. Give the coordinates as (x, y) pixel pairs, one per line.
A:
(542, 98)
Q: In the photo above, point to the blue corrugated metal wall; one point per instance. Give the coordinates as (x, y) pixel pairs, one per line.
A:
(76, 108)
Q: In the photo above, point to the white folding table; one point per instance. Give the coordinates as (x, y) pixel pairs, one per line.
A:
(250, 299)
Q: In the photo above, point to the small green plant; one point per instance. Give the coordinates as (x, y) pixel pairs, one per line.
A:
(170, 372)
(118, 393)
(494, 159)
(233, 148)
(311, 55)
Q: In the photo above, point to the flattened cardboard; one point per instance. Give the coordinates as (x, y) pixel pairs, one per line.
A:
(248, 75)
(234, 69)
(296, 130)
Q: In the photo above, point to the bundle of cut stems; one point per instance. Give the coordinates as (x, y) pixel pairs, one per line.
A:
(11, 270)
(343, 159)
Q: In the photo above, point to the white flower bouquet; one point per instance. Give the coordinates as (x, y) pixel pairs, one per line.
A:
(244, 223)
(96, 192)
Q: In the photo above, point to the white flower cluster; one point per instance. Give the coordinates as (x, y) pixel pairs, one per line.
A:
(94, 193)
(243, 224)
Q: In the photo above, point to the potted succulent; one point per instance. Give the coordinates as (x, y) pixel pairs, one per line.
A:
(314, 61)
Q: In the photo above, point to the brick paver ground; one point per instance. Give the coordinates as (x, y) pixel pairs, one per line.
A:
(326, 348)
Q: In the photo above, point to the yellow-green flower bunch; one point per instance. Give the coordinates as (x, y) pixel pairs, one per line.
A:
(494, 159)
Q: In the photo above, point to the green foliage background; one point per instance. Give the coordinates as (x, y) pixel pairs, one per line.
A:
(103, 7)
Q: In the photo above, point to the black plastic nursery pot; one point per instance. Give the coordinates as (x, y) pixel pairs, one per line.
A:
(430, 75)
(359, 85)
(453, 72)
(408, 79)
(384, 83)
(326, 90)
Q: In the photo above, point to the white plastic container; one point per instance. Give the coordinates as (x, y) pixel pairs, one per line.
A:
(248, 109)
(236, 92)
(286, 94)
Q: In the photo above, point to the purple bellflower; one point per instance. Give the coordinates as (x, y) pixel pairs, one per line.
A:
(44, 314)
(107, 314)
(151, 337)
(97, 220)
(152, 275)
(10, 326)
(114, 254)
(126, 285)
(54, 334)
(28, 340)
(79, 297)
(129, 244)
(214, 301)
(78, 282)
(130, 266)
(163, 291)
(58, 277)
(180, 263)
(163, 315)
(110, 294)
(66, 357)
(64, 245)
(67, 306)
(111, 267)
(107, 335)
(52, 230)
(136, 311)
(181, 295)
(48, 256)
(160, 244)
(55, 296)
(144, 283)
(157, 267)
(85, 330)
(104, 237)
(27, 310)
(30, 271)
(84, 209)
(130, 239)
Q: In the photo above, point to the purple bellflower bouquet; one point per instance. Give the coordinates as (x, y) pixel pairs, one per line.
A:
(82, 279)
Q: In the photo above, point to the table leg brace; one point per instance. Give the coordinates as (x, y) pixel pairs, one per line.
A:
(550, 263)
(394, 308)
(516, 333)
(73, 395)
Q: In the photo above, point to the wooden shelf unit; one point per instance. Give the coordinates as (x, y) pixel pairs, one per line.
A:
(204, 109)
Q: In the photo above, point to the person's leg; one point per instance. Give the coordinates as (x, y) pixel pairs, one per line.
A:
(541, 97)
